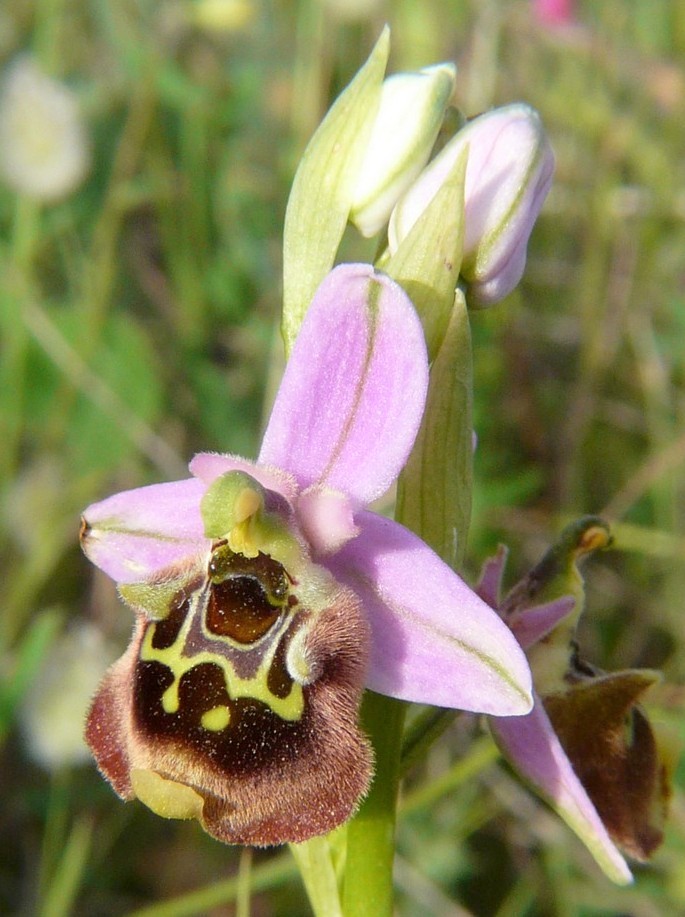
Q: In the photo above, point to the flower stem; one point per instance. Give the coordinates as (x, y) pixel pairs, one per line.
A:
(315, 861)
(368, 888)
(244, 892)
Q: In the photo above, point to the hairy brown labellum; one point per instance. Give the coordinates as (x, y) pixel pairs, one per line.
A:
(616, 755)
(240, 706)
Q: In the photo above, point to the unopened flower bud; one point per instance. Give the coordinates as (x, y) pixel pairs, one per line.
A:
(412, 107)
(508, 175)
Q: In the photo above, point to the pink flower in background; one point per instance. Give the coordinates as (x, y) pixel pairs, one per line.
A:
(554, 12)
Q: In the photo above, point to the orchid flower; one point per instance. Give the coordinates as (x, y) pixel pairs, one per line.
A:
(267, 596)
(585, 747)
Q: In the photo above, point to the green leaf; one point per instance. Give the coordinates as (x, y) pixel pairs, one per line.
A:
(321, 195)
(69, 872)
(27, 662)
(96, 397)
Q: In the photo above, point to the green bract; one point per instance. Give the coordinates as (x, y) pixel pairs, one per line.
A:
(321, 196)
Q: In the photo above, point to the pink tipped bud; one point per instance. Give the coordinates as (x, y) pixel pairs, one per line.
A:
(508, 175)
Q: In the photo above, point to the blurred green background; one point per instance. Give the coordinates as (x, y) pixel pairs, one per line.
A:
(138, 323)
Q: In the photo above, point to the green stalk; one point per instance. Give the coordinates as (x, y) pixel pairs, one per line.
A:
(368, 886)
(65, 883)
(428, 726)
(315, 861)
(17, 269)
(243, 903)
(276, 871)
(440, 460)
(481, 755)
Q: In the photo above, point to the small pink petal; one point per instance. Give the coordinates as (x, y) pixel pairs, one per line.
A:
(531, 746)
(350, 403)
(533, 624)
(326, 519)
(489, 586)
(433, 640)
(136, 534)
(207, 466)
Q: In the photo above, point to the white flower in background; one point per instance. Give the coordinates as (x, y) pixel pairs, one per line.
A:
(44, 150)
(55, 708)
(221, 16)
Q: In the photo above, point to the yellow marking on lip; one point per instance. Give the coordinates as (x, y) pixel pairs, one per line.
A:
(165, 797)
(216, 719)
(288, 708)
(170, 700)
